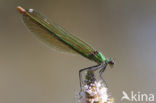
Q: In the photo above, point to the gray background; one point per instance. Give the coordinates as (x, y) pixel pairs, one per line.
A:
(122, 29)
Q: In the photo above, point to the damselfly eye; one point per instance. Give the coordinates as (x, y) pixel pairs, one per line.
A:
(111, 61)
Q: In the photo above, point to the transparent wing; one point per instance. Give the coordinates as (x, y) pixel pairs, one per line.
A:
(46, 36)
(54, 35)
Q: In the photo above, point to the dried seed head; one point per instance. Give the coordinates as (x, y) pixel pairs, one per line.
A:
(94, 93)
(94, 89)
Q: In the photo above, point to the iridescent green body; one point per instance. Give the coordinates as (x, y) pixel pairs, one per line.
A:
(55, 35)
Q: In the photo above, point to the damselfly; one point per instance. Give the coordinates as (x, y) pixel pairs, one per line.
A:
(56, 37)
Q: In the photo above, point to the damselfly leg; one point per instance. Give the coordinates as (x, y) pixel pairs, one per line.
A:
(101, 72)
(92, 69)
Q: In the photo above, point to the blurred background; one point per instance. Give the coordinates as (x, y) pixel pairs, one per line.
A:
(122, 29)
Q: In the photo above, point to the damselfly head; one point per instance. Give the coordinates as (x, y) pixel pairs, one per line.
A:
(110, 62)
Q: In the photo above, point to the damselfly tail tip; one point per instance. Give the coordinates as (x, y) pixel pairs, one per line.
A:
(20, 9)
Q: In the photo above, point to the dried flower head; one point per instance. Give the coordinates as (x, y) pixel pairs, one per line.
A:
(94, 91)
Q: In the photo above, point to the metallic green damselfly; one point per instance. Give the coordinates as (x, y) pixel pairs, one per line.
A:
(56, 37)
